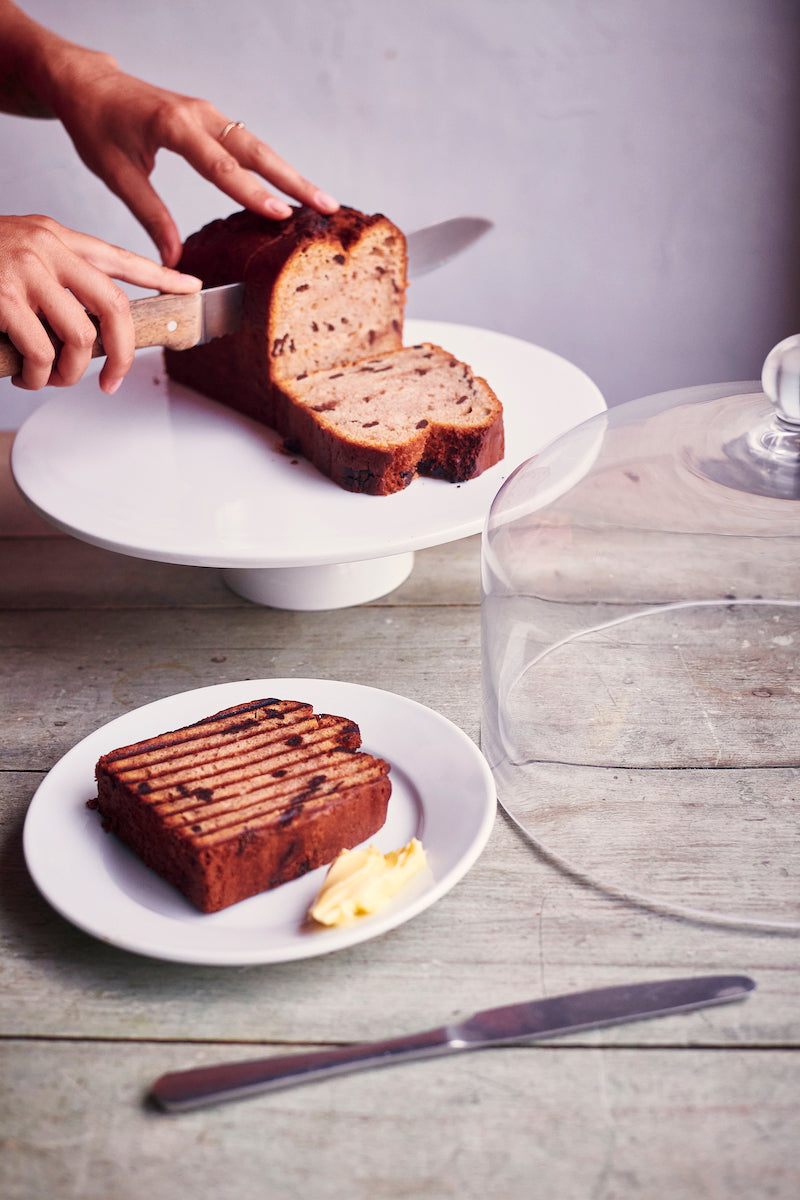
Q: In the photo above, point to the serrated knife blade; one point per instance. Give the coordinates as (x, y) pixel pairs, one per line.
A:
(435, 245)
(530, 1021)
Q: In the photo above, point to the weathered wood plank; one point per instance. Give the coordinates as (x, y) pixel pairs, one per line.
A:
(580, 1124)
(63, 675)
(700, 686)
(513, 928)
(724, 839)
(703, 1104)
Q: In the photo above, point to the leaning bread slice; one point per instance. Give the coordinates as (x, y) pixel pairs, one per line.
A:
(244, 800)
(376, 424)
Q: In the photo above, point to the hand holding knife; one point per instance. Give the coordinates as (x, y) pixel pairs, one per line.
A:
(180, 322)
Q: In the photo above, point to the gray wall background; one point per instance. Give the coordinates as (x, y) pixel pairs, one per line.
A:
(640, 158)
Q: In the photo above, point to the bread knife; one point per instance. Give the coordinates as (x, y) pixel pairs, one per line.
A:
(177, 322)
(556, 1015)
(180, 322)
(435, 245)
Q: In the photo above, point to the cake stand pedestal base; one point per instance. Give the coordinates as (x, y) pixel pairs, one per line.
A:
(316, 588)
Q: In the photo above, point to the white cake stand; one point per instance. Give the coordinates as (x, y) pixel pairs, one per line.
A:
(159, 472)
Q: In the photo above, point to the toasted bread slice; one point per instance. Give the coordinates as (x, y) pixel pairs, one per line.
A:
(243, 800)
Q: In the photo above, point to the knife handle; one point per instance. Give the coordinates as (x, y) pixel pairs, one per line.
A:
(179, 1091)
(166, 320)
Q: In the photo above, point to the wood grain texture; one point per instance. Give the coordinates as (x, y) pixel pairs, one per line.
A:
(572, 1123)
(703, 1104)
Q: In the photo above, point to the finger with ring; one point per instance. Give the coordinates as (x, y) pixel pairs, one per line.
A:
(229, 128)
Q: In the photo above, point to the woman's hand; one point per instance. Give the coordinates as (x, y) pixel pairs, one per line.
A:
(118, 124)
(56, 274)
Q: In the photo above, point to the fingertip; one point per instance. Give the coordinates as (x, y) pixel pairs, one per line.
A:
(189, 283)
(325, 203)
(169, 247)
(277, 209)
(169, 256)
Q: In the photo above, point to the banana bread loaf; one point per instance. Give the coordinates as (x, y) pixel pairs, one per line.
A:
(324, 305)
(319, 290)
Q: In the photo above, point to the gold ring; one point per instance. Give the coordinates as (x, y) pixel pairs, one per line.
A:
(229, 128)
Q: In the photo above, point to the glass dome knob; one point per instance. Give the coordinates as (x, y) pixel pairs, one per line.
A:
(775, 444)
(764, 459)
(780, 379)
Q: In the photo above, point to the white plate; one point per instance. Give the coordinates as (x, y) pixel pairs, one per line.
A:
(442, 792)
(159, 472)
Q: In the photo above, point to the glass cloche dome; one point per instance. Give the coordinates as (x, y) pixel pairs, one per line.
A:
(640, 641)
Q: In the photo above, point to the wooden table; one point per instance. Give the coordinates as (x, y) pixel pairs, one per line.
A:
(698, 1105)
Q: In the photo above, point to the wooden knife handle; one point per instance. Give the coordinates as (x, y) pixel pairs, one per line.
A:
(173, 321)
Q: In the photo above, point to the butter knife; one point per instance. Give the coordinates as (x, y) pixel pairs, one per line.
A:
(180, 322)
(556, 1015)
